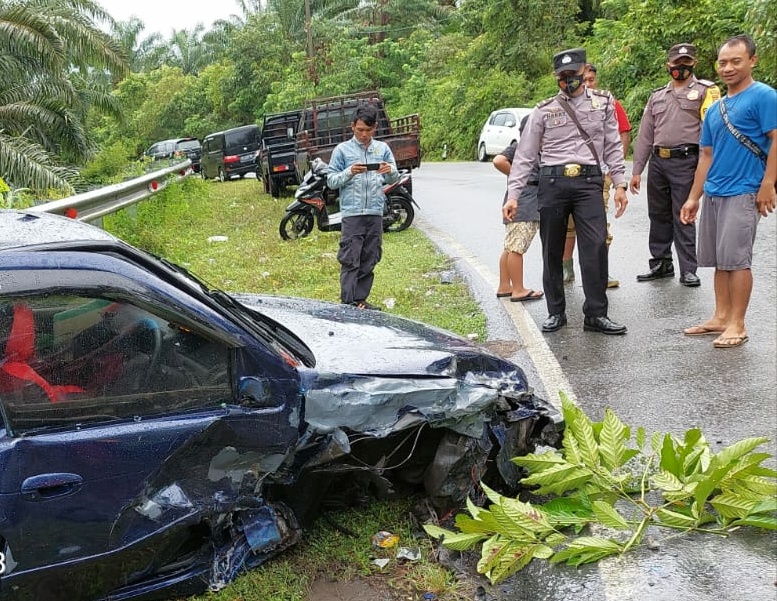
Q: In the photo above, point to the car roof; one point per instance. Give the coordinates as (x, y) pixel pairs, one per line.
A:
(518, 109)
(20, 228)
(231, 129)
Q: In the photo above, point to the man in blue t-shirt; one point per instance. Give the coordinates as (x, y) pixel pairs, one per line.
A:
(736, 172)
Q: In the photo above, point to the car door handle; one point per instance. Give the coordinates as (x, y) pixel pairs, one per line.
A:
(50, 486)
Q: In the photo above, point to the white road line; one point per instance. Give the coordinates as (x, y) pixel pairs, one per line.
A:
(548, 369)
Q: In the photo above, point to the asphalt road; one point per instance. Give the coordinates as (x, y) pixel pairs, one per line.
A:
(653, 376)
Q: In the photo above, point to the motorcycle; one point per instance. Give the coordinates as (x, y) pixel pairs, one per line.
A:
(313, 196)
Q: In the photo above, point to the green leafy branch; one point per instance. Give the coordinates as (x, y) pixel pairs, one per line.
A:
(603, 478)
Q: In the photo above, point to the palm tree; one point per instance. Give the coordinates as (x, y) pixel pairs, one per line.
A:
(44, 46)
(143, 53)
(187, 50)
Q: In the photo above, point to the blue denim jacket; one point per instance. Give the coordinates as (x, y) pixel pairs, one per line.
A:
(361, 194)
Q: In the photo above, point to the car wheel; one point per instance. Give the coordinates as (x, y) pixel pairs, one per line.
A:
(482, 156)
(221, 176)
(296, 225)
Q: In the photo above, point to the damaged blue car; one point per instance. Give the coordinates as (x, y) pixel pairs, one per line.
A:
(158, 437)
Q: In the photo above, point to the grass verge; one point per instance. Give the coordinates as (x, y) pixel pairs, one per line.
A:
(180, 220)
(179, 224)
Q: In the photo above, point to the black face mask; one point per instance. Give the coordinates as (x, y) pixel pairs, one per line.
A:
(680, 72)
(571, 83)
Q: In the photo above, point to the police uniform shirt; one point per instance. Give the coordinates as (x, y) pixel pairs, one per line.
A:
(552, 133)
(673, 117)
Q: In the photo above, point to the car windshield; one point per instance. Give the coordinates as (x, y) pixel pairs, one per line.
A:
(276, 335)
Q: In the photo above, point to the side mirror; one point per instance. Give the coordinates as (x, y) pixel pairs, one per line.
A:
(252, 392)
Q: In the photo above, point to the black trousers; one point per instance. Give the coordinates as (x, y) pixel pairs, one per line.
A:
(361, 247)
(668, 183)
(581, 197)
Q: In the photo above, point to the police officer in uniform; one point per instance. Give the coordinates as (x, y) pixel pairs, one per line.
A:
(577, 135)
(669, 137)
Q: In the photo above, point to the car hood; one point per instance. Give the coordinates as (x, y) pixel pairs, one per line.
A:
(345, 339)
(377, 373)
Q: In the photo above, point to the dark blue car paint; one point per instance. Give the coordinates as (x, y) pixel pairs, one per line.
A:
(170, 504)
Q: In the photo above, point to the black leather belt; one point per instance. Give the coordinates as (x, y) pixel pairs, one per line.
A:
(570, 170)
(675, 151)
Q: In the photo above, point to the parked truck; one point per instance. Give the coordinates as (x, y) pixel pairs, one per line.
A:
(325, 122)
(278, 153)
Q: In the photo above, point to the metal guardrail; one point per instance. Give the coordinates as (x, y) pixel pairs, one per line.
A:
(92, 205)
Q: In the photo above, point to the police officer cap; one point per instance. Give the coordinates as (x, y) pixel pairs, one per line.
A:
(569, 60)
(682, 50)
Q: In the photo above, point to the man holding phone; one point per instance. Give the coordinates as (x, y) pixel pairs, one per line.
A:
(359, 168)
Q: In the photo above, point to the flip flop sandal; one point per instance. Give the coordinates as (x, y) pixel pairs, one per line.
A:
(700, 331)
(730, 341)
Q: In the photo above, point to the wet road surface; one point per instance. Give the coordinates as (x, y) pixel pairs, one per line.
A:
(653, 376)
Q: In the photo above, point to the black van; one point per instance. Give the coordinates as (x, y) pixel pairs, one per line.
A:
(230, 152)
(176, 148)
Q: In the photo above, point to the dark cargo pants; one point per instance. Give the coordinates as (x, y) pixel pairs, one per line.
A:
(581, 197)
(361, 247)
(668, 183)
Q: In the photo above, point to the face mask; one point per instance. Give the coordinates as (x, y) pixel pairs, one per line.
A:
(570, 84)
(680, 72)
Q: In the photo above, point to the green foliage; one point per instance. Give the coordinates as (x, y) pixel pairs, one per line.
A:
(606, 482)
(111, 164)
(761, 21)
(629, 46)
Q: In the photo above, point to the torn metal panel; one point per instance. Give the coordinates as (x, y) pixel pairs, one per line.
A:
(375, 405)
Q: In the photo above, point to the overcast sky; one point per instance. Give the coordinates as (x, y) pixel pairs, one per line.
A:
(165, 15)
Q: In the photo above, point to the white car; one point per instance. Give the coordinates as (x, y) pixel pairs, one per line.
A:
(499, 131)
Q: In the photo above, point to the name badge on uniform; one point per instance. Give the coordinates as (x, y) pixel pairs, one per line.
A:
(595, 103)
(693, 94)
(555, 119)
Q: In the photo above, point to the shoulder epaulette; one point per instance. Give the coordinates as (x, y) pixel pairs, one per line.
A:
(706, 82)
(542, 103)
(602, 93)
(658, 89)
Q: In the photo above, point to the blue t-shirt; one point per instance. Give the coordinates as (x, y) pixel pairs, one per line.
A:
(736, 170)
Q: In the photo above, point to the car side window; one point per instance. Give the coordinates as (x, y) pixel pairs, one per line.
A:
(68, 360)
(500, 119)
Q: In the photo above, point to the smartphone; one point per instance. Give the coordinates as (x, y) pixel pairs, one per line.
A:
(372, 166)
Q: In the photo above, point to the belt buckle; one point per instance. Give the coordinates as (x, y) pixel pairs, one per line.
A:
(572, 170)
(665, 153)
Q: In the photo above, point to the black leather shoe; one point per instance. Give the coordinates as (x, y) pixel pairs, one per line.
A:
(603, 325)
(554, 322)
(690, 279)
(664, 269)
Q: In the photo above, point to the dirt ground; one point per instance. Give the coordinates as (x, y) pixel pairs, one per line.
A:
(357, 590)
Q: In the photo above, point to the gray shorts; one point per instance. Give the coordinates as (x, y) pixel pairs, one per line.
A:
(726, 232)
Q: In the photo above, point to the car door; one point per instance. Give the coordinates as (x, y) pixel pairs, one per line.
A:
(505, 131)
(121, 433)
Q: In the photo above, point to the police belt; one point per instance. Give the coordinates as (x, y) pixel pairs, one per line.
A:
(675, 151)
(570, 170)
